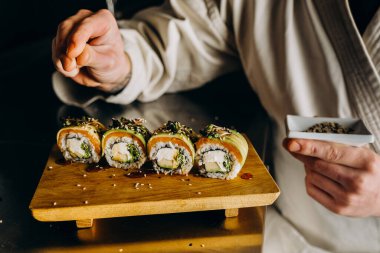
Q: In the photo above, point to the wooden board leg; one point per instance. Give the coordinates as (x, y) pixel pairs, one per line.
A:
(232, 212)
(84, 223)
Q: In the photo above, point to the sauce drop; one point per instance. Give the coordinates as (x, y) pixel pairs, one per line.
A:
(93, 168)
(246, 176)
(62, 161)
(135, 174)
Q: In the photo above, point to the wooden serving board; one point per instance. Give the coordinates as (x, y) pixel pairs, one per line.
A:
(74, 191)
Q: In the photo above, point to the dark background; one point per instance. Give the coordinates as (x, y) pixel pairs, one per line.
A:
(27, 28)
(23, 22)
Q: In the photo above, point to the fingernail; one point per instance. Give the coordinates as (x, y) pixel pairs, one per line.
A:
(294, 146)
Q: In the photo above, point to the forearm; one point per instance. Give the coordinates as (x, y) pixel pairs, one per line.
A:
(176, 48)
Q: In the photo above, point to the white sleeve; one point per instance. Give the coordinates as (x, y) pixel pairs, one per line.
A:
(177, 46)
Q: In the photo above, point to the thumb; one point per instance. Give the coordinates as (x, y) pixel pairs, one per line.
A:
(96, 57)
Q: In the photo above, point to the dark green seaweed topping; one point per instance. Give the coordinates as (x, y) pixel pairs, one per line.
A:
(135, 125)
(83, 121)
(174, 127)
(214, 131)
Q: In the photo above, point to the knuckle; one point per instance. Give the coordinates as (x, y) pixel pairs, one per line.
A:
(309, 191)
(356, 183)
(105, 12)
(66, 24)
(311, 148)
(308, 186)
(86, 22)
(84, 12)
(372, 163)
(76, 36)
(348, 199)
(333, 154)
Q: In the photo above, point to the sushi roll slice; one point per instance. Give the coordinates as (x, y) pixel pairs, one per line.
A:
(79, 139)
(124, 144)
(221, 152)
(171, 149)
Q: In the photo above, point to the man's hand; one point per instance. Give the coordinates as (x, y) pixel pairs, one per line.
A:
(345, 179)
(89, 49)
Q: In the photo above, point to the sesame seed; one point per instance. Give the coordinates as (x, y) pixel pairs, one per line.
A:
(114, 185)
(50, 167)
(84, 175)
(202, 245)
(120, 250)
(79, 185)
(54, 203)
(189, 184)
(85, 202)
(114, 175)
(144, 175)
(149, 184)
(199, 193)
(129, 174)
(84, 188)
(142, 184)
(182, 179)
(137, 185)
(150, 187)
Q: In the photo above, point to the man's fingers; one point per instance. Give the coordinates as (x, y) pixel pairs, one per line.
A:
(333, 188)
(319, 194)
(341, 174)
(68, 64)
(91, 27)
(66, 26)
(58, 64)
(62, 63)
(331, 152)
(344, 175)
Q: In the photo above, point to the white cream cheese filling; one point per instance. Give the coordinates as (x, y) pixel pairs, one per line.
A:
(167, 158)
(120, 152)
(213, 161)
(74, 147)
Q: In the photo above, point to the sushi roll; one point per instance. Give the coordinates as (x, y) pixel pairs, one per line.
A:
(79, 139)
(221, 152)
(124, 144)
(171, 149)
